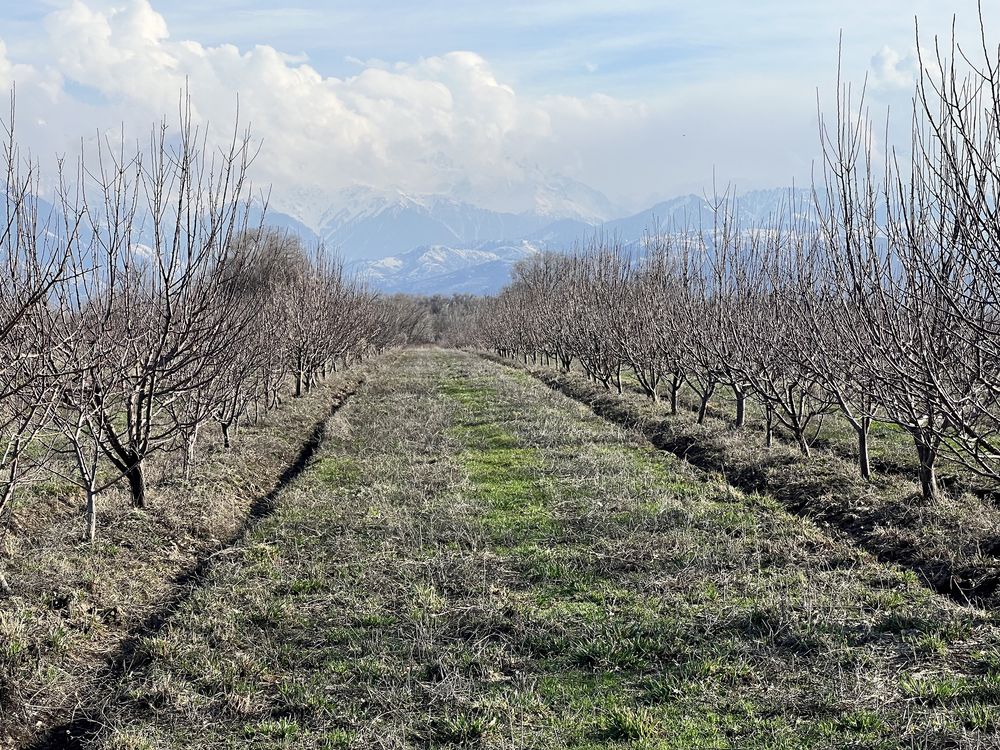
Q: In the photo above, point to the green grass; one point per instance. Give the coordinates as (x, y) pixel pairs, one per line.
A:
(476, 561)
(949, 544)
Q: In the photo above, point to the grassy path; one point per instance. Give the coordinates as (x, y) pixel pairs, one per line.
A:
(475, 560)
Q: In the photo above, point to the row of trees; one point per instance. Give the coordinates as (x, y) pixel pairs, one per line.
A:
(445, 320)
(144, 304)
(878, 300)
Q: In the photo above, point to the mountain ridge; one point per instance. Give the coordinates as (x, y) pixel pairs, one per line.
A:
(483, 267)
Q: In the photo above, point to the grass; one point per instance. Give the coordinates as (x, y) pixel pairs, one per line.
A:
(474, 560)
(951, 544)
(74, 606)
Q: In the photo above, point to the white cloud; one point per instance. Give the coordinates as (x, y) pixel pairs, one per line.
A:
(893, 69)
(423, 126)
(426, 125)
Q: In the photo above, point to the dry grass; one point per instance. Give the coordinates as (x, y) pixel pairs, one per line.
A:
(73, 606)
(474, 560)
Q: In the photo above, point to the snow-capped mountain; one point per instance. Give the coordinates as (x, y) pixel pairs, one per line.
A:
(307, 205)
(363, 222)
(483, 269)
(686, 212)
(369, 224)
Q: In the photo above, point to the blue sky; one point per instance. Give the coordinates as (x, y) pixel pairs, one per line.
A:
(639, 99)
(627, 47)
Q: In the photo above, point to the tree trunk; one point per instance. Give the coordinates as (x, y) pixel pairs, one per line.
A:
(927, 454)
(226, 442)
(703, 407)
(4, 586)
(741, 408)
(90, 514)
(768, 425)
(675, 387)
(618, 380)
(800, 440)
(136, 477)
(189, 453)
(864, 462)
(8, 493)
(298, 384)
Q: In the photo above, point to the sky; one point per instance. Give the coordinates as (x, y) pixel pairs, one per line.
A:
(638, 99)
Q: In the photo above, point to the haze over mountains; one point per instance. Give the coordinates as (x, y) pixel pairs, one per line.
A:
(431, 244)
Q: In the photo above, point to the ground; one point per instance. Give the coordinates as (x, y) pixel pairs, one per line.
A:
(472, 559)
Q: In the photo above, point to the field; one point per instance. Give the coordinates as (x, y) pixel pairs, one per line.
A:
(471, 558)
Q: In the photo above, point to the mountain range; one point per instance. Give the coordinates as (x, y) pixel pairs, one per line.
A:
(426, 244)
(439, 244)
(438, 269)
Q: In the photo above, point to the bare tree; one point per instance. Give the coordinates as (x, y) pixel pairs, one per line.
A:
(162, 220)
(895, 267)
(35, 243)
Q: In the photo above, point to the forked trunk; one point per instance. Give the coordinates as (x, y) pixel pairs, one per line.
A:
(675, 387)
(703, 407)
(649, 382)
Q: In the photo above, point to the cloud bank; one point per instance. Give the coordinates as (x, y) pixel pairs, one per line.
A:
(438, 124)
